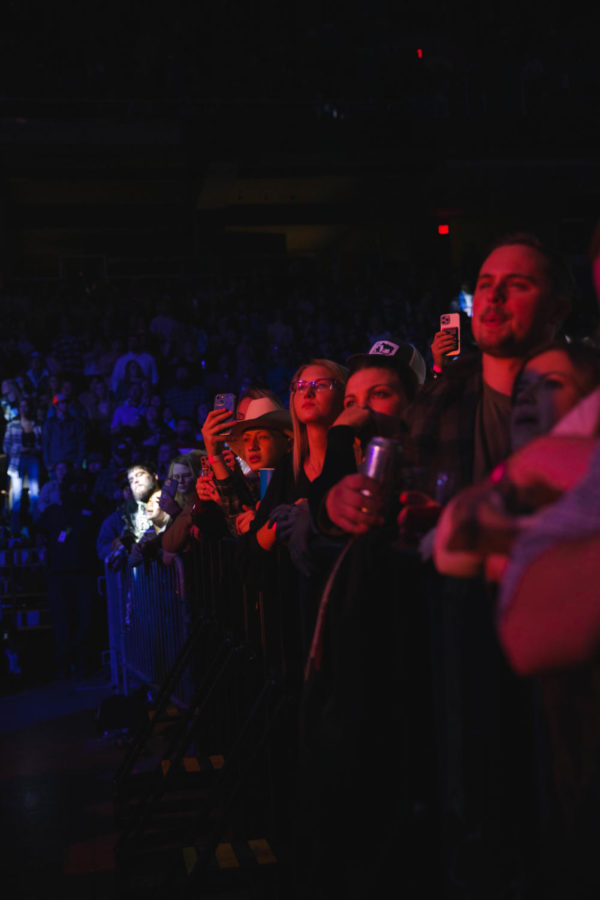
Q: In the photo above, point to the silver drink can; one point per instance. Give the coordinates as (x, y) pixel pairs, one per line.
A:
(381, 459)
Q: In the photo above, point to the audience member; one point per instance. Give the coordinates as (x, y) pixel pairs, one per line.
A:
(130, 413)
(23, 447)
(63, 436)
(136, 351)
(148, 547)
(50, 491)
(69, 530)
(260, 440)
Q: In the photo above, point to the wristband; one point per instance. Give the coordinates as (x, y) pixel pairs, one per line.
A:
(212, 459)
(437, 370)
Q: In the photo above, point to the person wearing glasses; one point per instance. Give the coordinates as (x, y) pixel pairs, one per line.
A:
(316, 400)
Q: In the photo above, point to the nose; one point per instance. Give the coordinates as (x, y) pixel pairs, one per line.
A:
(498, 294)
(310, 389)
(254, 442)
(527, 391)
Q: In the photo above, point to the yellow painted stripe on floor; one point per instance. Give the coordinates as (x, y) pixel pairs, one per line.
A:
(262, 851)
(191, 764)
(165, 765)
(226, 857)
(217, 761)
(189, 859)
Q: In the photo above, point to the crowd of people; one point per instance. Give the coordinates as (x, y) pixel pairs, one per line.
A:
(487, 514)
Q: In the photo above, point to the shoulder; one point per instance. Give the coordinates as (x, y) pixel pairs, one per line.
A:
(462, 377)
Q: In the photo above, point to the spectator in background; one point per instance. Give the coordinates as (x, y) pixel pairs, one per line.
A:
(99, 407)
(142, 482)
(133, 375)
(184, 507)
(155, 431)
(69, 389)
(137, 352)
(33, 382)
(149, 545)
(63, 435)
(23, 447)
(107, 488)
(9, 401)
(202, 411)
(69, 529)
(130, 413)
(185, 434)
(50, 492)
(67, 350)
(184, 394)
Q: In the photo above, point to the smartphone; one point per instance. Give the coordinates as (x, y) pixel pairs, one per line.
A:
(225, 401)
(451, 322)
(170, 487)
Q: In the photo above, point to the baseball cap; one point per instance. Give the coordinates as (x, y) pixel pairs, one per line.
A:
(400, 353)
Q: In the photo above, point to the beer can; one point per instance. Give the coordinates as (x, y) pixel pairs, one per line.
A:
(381, 459)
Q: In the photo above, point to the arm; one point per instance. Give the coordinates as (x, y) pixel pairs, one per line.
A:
(177, 534)
(547, 467)
(238, 498)
(355, 504)
(474, 524)
(281, 489)
(443, 342)
(485, 518)
(553, 618)
(340, 460)
(215, 432)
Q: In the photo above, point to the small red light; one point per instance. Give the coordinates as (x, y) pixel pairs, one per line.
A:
(420, 53)
(443, 229)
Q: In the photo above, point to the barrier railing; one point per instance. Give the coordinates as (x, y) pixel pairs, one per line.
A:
(372, 734)
(149, 614)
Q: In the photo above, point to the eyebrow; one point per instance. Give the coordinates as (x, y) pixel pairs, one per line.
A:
(371, 387)
(532, 278)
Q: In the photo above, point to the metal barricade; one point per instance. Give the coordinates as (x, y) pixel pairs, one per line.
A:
(148, 612)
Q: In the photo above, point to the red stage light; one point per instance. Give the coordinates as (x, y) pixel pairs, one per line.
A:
(443, 229)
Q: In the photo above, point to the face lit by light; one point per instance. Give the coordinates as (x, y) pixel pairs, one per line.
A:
(547, 388)
(319, 407)
(379, 390)
(184, 477)
(140, 482)
(514, 305)
(263, 449)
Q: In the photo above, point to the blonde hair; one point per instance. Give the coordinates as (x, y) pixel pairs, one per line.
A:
(300, 448)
